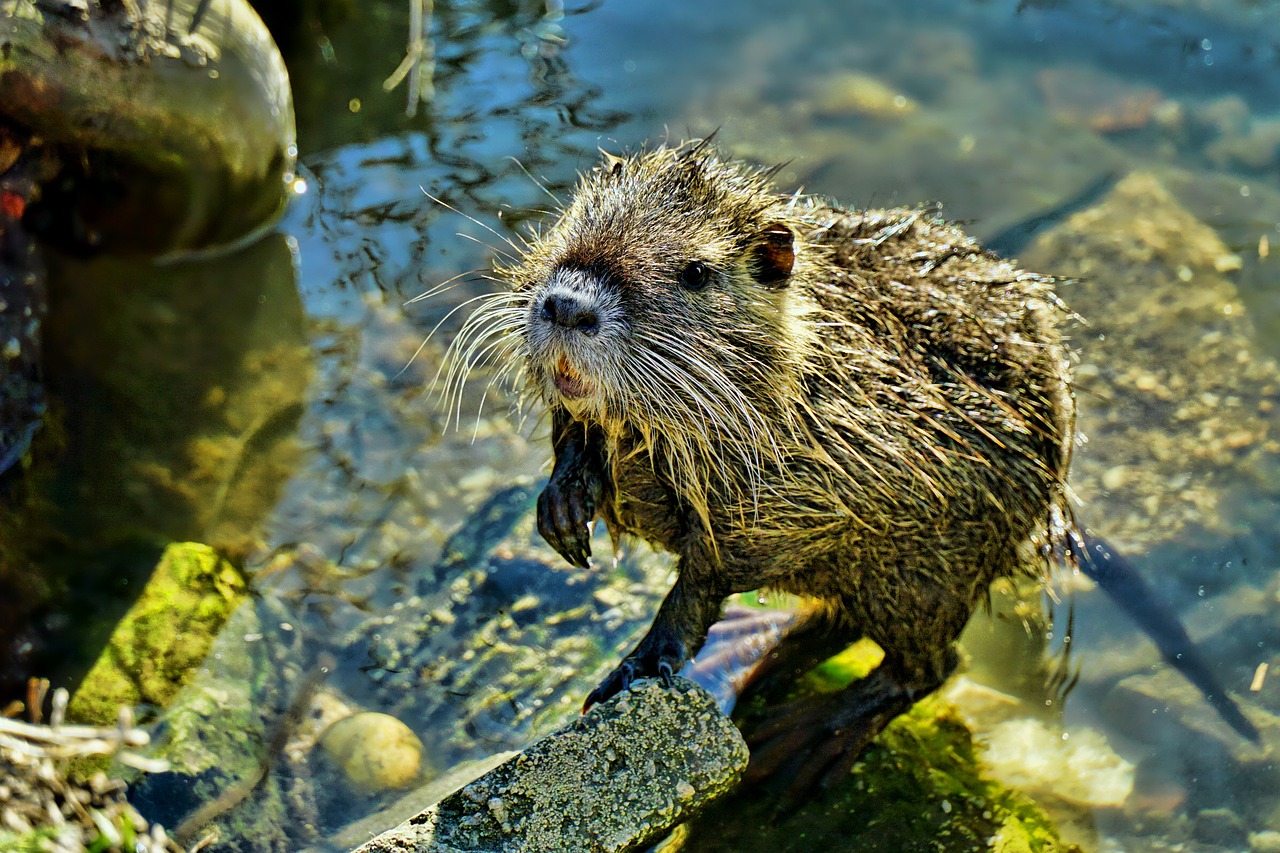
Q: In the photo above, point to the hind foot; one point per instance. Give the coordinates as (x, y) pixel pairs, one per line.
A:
(813, 742)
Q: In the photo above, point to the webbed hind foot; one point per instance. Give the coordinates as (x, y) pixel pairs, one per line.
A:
(812, 743)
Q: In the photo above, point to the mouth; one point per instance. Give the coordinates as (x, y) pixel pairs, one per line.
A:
(569, 382)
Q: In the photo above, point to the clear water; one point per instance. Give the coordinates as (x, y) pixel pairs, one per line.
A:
(312, 387)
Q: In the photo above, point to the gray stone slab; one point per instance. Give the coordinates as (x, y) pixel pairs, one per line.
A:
(615, 779)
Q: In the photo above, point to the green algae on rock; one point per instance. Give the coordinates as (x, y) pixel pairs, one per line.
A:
(165, 636)
(919, 786)
(220, 735)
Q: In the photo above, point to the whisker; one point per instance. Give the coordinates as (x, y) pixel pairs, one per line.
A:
(537, 183)
(516, 250)
(474, 239)
(447, 284)
(489, 320)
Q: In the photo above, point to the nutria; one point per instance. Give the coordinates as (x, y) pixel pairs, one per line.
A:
(865, 408)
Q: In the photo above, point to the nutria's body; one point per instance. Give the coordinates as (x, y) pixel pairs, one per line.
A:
(865, 408)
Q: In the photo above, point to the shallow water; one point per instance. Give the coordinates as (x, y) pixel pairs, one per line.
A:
(308, 388)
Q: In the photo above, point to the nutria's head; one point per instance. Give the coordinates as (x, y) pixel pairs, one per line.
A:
(661, 303)
(661, 296)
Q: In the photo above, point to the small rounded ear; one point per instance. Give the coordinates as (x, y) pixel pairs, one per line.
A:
(612, 165)
(772, 255)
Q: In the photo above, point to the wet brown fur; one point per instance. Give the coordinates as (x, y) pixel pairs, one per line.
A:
(862, 407)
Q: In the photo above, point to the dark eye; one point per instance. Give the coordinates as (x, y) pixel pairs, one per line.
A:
(694, 276)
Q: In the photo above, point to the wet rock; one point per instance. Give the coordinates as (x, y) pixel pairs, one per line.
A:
(1161, 707)
(1226, 116)
(1083, 95)
(376, 752)
(960, 133)
(204, 456)
(222, 397)
(1256, 148)
(1221, 827)
(615, 779)
(164, 637)
(1235, 627)
(859, 95)
(1177, 403)
(919, 786)
(418, 800)
(1182, 742)
(1077, 766)
(1267, 841)
(178, 139)
(934, 59)
(220, 736)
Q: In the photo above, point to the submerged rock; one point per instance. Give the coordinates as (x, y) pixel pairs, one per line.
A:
(376, 752)
(1175, 398)
(1256, 148)
(222, 735)
(1221, 827)
(1177, 404)
(1038, 758)
(1080, 94)
(501, 640)
(615, 779)
(415, 801)
(859, 95)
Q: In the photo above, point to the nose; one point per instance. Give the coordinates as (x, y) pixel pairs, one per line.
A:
(570, 312)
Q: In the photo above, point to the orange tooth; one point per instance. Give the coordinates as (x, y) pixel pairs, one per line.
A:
(566, 369)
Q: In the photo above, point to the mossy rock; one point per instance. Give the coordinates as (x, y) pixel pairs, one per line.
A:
(164, 637)
(918, 787)
(217, 737)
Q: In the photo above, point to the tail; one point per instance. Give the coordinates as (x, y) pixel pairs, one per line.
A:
(1118, 577)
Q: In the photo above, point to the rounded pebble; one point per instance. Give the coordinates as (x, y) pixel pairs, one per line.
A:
(376, 752)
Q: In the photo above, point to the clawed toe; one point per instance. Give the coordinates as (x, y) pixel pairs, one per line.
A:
(644, 662)
(564, 521)
(614, 683)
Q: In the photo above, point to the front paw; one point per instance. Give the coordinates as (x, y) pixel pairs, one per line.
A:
(565, 512)
(659, 659)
